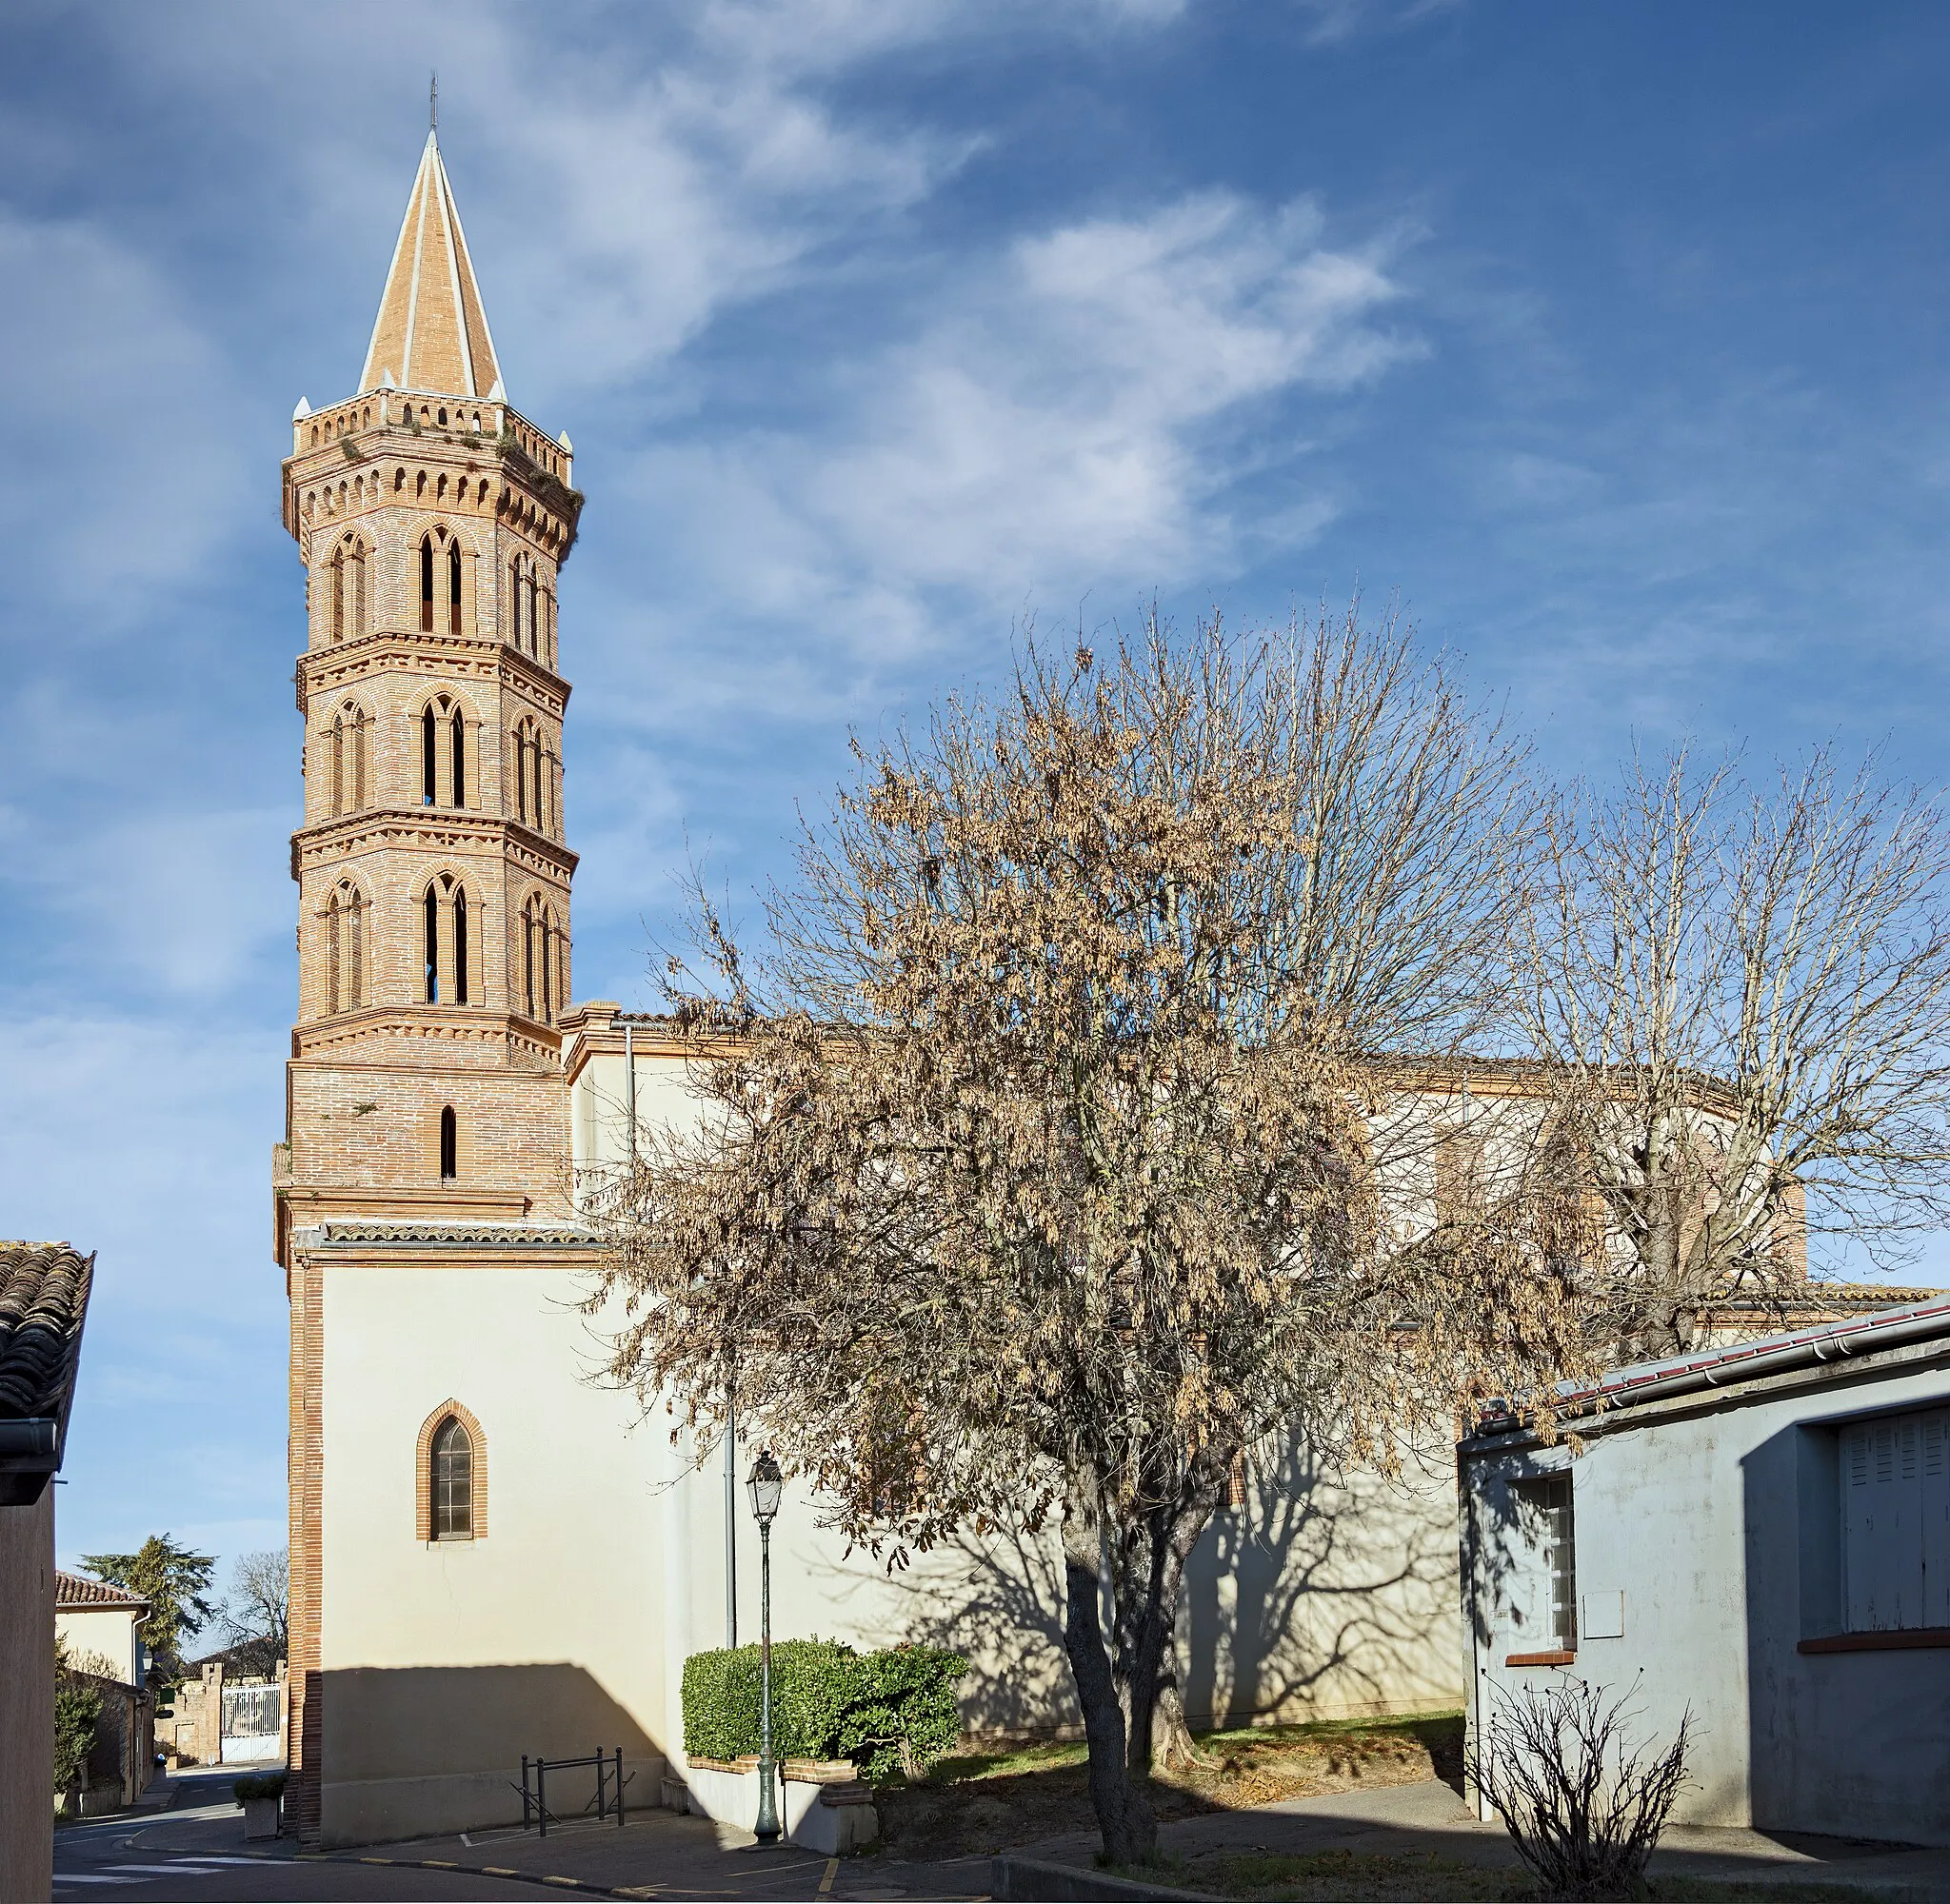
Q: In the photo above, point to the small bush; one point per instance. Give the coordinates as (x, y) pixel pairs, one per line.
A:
(888, 1709)
(258, 1785)
(1583, 1804)
(77, 1707)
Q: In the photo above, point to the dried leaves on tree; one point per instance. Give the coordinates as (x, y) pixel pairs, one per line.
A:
(1041, 1150)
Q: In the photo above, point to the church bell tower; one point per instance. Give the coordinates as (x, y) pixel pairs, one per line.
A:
(433, 875)
(426, 1146)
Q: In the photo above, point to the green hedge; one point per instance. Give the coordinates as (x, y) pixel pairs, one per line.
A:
(887, 1711)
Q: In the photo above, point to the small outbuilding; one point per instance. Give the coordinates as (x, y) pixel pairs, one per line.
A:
(1759, 1534)
(44, 1290)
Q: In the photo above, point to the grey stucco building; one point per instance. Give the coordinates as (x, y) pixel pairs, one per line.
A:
(1760, 1534)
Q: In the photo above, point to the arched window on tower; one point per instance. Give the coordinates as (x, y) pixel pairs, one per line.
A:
(427, 585)
(541, 973)
(344, 950)
(449, 1145)
(429, 756)
(346, 747)
(460, 945)
(453, 588)
(432, 912)
(337, 566)
(457, 752)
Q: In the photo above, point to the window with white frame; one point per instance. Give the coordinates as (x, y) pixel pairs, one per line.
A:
(1896, 1522)
(1543, 1602)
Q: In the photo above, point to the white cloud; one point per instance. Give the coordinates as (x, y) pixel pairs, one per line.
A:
(118, 481)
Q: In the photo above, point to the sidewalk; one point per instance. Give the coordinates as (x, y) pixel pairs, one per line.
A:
(1430, 1820)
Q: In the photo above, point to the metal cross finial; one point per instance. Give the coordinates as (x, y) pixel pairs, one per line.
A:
(434, 102)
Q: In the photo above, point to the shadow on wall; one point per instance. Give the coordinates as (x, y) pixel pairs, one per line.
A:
(1319, 1597)
(1848, 1743)
(415, 1751)
(1335, 1595)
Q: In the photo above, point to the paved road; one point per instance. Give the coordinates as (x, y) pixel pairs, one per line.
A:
(197, 1851)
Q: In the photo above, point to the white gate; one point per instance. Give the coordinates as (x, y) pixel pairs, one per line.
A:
(253, 1721)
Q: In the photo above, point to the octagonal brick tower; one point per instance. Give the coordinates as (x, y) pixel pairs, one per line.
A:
(424, 1099)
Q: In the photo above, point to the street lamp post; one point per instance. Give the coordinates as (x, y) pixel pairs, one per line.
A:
(766, 1484)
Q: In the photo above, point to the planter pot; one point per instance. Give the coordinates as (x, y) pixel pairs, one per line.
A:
(261, 1817)
(814, 1811)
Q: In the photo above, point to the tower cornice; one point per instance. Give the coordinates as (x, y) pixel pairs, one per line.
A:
(430, 829)
(446, 657)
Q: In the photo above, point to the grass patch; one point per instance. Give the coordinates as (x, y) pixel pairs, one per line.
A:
(986, 1802)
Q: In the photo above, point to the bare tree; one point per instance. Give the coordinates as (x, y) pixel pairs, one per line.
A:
(1583, 1803)
(256, 1611)
(1743, 996)
(1034, 1173)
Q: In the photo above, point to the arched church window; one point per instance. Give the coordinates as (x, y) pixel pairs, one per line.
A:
(453, 588)
(460, 945)
(429, 756)
(338, 594)
(427, 585)
(452, 1481)
(540, 976)
(449, 1145)
(457, 749)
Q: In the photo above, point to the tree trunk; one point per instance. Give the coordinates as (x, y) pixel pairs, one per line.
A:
(1123, 1810)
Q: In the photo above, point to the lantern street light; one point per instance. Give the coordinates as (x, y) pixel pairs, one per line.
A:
(766, 1484)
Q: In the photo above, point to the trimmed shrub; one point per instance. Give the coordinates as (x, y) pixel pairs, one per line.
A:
(258, 1785)
(887, 1711)
(77, 1707)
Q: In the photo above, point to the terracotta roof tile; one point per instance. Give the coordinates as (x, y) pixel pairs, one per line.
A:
(77, 1590)
(42, 1303)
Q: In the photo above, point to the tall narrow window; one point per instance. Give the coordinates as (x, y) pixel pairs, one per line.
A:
(432, 947)
(427, 585)
(539, 808)
(359, 724)
(457, 747)
(547, 989)
(338, 594)
(332, 957)
(355, 988)
(528, 958)
(452, 1482)
(429, 758)
(359, 589)
(514, 603)
(338, 765)
(521, 772)
(449, 1145)
(1543, 1511)
(453, 588)
(460, 946)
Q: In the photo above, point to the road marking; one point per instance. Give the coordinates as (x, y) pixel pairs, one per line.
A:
(439, 1864)
(80, 1877)
(375, 1861)
(572, 1883)
(825, 1883)
(188, 1868)
(498, 1871)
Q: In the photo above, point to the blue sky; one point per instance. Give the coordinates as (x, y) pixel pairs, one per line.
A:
(1610, 338)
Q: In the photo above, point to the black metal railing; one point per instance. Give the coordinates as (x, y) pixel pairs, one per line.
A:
(535, 1813)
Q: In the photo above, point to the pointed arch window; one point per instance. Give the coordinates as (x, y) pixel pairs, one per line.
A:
(540, 961)
(445, 741)
(426, 585)
(449, 1145)
(429, 756)
(448, 928)
(453, 1481)
(344, 950)
(345, 747)
(431, 909)
(453, 588)
(457, 756)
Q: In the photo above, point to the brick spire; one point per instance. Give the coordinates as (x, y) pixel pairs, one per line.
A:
(432, 333)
